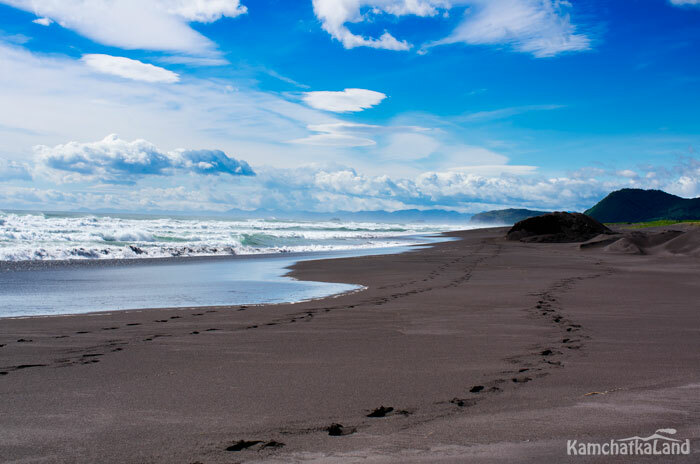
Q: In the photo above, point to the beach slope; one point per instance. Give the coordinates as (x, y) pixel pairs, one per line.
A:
(472, 350)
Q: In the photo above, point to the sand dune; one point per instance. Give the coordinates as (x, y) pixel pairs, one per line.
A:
(658, 241)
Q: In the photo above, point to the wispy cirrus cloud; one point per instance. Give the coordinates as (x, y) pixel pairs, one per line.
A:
(685, 2)
(349, 134)
(340, 134)
(336, 14)
(505, 112)
(344, 101)
(540, 27)
(133, 24)
(129, 69)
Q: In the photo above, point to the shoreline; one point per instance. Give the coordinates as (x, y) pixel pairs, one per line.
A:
(487, 351)
(283, 272)
(36, 265)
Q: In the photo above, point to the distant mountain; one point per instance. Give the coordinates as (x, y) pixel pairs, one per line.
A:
(637, 205)
(433, 216)
(406, 215)
(504, 216)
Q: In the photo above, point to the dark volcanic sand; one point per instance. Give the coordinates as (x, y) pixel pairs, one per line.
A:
(390, 374)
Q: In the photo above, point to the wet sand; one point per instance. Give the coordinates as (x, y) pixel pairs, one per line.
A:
(476, 350)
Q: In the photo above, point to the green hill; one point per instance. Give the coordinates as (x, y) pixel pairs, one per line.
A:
(504, 216)
(637, 205)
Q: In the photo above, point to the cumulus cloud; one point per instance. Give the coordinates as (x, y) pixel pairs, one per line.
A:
(119, 161)
(335, 14)
(212, 162)
(333, 188)
(135, 24)
(540, 27)
(194, 112)
(129, 69)
(345, 101)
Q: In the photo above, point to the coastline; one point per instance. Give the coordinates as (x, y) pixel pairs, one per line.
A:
(29, 289)
(182, 385)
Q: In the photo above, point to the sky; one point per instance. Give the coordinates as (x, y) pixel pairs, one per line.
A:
(345, 105)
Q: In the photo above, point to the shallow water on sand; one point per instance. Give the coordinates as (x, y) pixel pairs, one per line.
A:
(72, 289)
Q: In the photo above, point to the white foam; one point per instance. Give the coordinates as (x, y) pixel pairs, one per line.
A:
(36, 236)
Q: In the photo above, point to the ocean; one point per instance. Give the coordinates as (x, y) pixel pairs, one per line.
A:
(32, 236)
(69, 263)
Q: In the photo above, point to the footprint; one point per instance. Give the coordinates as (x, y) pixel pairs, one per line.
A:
(24, 340)
(338, 430)
(27, 366)
(381, 411)
(476, 388)
(272, 444)
(134, 323)
(242, 444)
(521, 379)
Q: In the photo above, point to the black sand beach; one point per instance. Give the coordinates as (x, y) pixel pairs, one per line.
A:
(474, 350)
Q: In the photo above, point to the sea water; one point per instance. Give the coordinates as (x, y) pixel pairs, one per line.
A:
(32, 236)
(59, 264)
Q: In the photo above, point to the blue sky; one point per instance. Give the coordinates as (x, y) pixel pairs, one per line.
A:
(330, 105)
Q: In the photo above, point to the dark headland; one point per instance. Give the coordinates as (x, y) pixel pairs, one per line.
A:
(481, 349)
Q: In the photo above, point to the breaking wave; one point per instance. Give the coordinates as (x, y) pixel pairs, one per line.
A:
(54, 236)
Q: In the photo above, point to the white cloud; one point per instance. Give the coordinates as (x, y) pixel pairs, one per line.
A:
(685, 2)
(540, 27)
(410, 146)
(204, 11)
(119, 161)
(348, 100)
(136, 24)
(505, 112)
(338, 135)
(335, 14)
(12, 170)
(495, 169)
(129, 69)
(347, 134)
(55, 99)
(43, 21)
